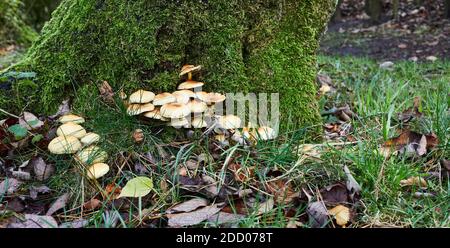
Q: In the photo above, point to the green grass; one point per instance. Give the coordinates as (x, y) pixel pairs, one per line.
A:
(375, 95)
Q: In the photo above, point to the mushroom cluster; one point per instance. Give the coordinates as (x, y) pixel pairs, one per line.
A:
(190, 107)
(72, 138)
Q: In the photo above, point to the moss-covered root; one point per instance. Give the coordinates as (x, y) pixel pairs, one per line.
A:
(244, 46)
(13, 29)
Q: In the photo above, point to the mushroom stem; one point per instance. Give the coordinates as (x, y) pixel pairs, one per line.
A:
(190, 76)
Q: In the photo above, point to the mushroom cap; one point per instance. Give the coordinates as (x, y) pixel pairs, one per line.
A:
(71, 118)
(174, 110)
(91, 155)
(71, 129)
(197, 106)
(97, 170)
(154, 114)
(189, 68)
(198, 122)
(229, 122)
(89, 139)
(142, 96)
(137, 109)
(64, 145)
(190, 85)
(164, 98)
(210, 97)
(183, 96)
(178, 122)
(266, 133)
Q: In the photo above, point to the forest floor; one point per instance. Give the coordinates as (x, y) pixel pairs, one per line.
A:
(384, 161)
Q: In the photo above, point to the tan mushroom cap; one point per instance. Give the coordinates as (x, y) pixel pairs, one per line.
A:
(229, 122)
(183, 96)
(89, 139)
(190, 85)
(97, 170)
(174, 110)
(91, 155)
(189, 69)
(178, 122)
(142, 96)
(210, 97)
(64, 145)
(197, 106)
(266, 133)
(137, 109)
(164, 98)
(71, 118)
(199, 122)
(154, 114)
(71, 129)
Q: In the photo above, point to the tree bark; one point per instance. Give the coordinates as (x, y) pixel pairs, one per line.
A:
(259, 46)
(373, 9)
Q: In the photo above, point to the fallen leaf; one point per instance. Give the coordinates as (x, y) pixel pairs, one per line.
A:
(18, 131)
(192, 218)
(75, 224)
(42, 170)
(225, 218)
(106, 92)
(282, 191)
(63, 109)
(16, 205)
(138, 136)
(318, 214)
(411, 113)
(414, 181)
(188, 206)
(29, 121)
(137, 187)
(9, 186)
(35, 221)
(336, 193)
(112, 191)
(387, 65)
(265, 206)
(241, 174)
(60, 203)
(35, 190)
(341, 214)
(431, 58)
(92, 204)
(352, 185)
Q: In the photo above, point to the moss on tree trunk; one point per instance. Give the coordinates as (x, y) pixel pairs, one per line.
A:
(243, 46)
(13, 28)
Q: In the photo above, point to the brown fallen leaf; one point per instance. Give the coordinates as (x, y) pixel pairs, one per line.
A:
(241, 174)
(225, 218)
(75, 224)
(35, 221)
(282, 191)
(92, 204)
(42, 170)
(188, 206)
(35, 190)
(106, 92)
(60, 203)
(318, 214)
(409, 143)
(336, 193)
(112, 191)
(9, 186)
(30, 122)
(414, 181)
(411, 113)
(192, 218)
(341, 214)
(63, 109)
(138, 136)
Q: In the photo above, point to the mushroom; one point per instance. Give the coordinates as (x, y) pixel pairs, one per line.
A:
(97, 170)
(71, 118)
(174, 110)
(89, 139)
(228, 122)
(210, 98)
(188, 69)
(164, 98)
(64, 145)
(141, 96)
(91, 155)
(190, 85)
(154, 114)
(197, 106)
(266, 133)
(179, 122)
(198, 122)
(137, 109)
(183, 96)
(71, 129)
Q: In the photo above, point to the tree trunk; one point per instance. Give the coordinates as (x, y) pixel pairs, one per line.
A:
(39, 11)
(373, 9)
(244, 46)
(13, 29)
(337, 17)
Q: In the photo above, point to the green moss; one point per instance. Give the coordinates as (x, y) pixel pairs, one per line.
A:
(13, 29)
(244, 46)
